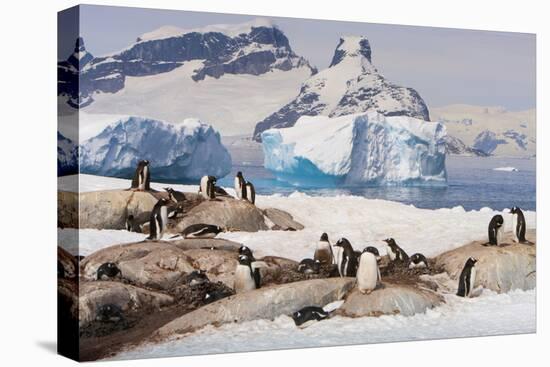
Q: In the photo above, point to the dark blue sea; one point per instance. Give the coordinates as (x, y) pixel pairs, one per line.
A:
(472, 183)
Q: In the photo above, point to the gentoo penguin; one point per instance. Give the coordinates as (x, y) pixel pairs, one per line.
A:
(368, 274)
(349, 261)
(518, 224)
(395, 252)
(158, 219)
(309, 266)
(216, 294)
(207, 187)
(109, 313)
(373, 250)
(309, 315)
(175, 196)
(467, 279)
(250, 192)
(201, 230)
(142, 177)
(323, 252)
(246, 278)
(240, 186)
(245, 250)
(132, 225)
(196, 277)
(418, 261)
(496, 228)
(107, 271)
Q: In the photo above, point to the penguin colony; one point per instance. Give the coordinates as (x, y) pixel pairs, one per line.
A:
(363, 265)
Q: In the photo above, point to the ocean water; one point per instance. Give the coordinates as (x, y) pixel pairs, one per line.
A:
(472, 182)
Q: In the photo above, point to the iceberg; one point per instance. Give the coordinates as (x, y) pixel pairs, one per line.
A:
(183, 151)
(357, 149)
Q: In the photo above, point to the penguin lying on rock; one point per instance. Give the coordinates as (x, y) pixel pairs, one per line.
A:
(196, 277)
(109, 313)
(418, 261)
(309, 266)
(107, 271)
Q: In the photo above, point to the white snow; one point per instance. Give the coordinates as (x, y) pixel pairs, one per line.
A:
(506, 169)
(489, 314)
(359, 148)
(231, 30)
(240, 100)
(364, 222)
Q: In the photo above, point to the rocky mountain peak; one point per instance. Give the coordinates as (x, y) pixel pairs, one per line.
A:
(351, 46)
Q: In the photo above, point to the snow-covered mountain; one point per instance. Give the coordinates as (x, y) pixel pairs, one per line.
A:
(67, 156)
(489, 130)
(357, 149)
(351, 84)
(184, 151)
(215, 73)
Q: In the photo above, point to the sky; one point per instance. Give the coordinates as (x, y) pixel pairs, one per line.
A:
(446, 66)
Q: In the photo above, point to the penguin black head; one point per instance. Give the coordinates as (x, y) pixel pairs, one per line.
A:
(169, 190)
(163, 201)
(499, 220)
(514, 210)
(244, 260)
(324, 237)
(373, 250)
(130, 217)
(146, 162)
(109, 313)
(239, 174)
(471, 261)
(244, 250)
(390, 241)
(197, 277)
(213, 179)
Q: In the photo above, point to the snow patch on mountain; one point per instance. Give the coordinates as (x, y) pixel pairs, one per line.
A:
(491, 130)
(350, 85)
(357, 149)
(67, 156)
(183, 151)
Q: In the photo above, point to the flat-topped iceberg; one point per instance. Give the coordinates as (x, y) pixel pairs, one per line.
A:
(184, 151)
(364, 148)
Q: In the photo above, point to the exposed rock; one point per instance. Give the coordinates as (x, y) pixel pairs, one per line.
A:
(389, 299)
(264, 303)
(129, 298)
(282, 220)
(157, 265)
(234, 215)
(68, 262)
(501, 269)
(206, 243)
(67, 209)
(219, 264)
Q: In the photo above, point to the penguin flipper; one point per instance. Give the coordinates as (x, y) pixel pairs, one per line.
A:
(257, 277)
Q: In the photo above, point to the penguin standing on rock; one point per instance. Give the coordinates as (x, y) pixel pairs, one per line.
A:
(368, 274)
(418, 261)
(323, 252)
(142, 177)
(158, 220)
(496, 228)
(518, 224)
(208, 187)
(240, 186)
(246, 278)
(395, 252)
(250, 192)
(349, 261)
(467, 278)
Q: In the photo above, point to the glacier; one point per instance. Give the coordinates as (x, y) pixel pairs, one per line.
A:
(183, 151)
(357, 149)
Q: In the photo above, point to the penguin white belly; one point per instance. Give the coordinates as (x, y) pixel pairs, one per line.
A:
(367, 274)
(472, 281)
(338, 258)
(238, 188)
(391, 254)
(515, 227)
(164, 218)
(204, 186)
(249, 194)
(144, 179)
(243, 279)
(500, 233)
